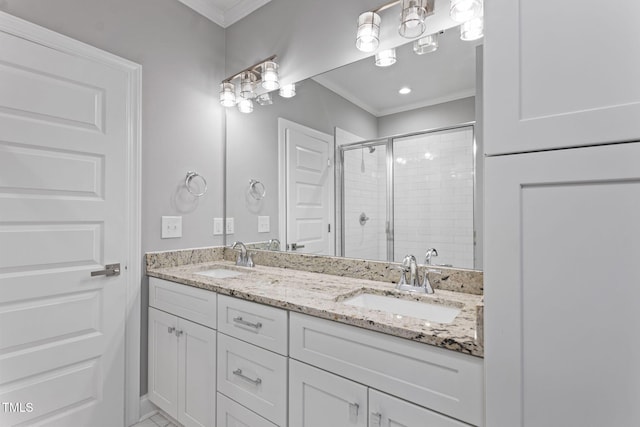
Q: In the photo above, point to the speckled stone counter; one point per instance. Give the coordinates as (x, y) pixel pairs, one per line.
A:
(321, 295)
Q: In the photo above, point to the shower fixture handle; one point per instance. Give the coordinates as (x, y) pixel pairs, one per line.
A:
(363, 218)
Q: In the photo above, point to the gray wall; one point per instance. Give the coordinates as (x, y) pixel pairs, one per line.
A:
(252, 149)
(182, 55)
(432, 117)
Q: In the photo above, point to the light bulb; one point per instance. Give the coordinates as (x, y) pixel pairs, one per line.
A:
(227, 94)
(270, 76)
(368, 35)
(245, 105)
(288, 91)
(464, 10)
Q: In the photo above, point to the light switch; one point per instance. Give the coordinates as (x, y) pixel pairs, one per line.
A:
(218, 228)
(264, 224)
(171, 227)
(230, 226)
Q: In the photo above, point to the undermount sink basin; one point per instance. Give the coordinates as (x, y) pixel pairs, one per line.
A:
(418, 309)
(220, 273)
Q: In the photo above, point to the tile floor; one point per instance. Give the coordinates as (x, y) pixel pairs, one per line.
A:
(157, 420)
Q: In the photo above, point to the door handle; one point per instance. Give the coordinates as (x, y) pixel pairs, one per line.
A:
(295, 246)
(109, 270)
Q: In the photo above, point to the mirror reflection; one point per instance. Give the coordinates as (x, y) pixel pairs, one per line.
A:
(354, 166)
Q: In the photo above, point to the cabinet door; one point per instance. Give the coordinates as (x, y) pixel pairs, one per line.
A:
(388, 411)
(232, 414)
(562, 288)
(163, 361)
(196, 374)
(320, 399)
(560, 74)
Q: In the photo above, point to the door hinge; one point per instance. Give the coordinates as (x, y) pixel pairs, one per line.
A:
(329, 162)
(328, 228)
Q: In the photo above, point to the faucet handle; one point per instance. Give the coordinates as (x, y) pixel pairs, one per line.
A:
(250, 262)
(403, 273)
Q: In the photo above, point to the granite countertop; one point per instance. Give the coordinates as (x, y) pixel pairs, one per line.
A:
(320, 295)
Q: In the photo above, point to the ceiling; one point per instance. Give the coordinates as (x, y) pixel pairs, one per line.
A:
(444, 75)
(224, 12)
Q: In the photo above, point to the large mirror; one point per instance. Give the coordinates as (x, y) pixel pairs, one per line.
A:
(352, 167)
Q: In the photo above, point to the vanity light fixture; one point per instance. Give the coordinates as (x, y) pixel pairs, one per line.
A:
(263, 73)
(245, 105)
(385, 58)
(414, 12)
(227, 94)
(368, 36)
(426, 44)
(412, 22)
(264, 99)
(288, 91)
(465, 10)
(472, 29)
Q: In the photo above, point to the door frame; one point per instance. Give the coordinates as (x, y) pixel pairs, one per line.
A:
(132, 264)
(283, 125)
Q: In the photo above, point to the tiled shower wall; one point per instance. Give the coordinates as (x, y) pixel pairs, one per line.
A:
(365, 192)
(433, 194)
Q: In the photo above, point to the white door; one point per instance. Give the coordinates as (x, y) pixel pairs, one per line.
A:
(320, 399)
(64, 135)
(561, 318)
(309, 183)
(561, 78)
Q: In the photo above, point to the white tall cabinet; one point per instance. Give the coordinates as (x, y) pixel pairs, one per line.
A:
(562, 213)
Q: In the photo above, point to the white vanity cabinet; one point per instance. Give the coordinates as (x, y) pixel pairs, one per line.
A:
(252, 362)
(319, 398)
(182, 353)
(560, 78)
(427, 378)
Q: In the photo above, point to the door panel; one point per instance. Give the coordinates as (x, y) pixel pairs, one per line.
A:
(64, 148)
(543, 86)
(309, 189)
(561, 264)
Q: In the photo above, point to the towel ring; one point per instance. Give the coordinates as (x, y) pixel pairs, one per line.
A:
(187, 182)
(257, 189)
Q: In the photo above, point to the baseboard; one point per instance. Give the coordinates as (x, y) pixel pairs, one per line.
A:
(147, 409)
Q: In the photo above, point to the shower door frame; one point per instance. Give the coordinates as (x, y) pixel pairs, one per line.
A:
(340, 150)
(387, 142)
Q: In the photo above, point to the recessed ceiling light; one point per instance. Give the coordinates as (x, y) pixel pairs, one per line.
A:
(404, 90)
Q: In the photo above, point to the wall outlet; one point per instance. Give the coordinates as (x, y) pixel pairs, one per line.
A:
(264, 224)
(171, 227)
(230, 226)
(218, 227)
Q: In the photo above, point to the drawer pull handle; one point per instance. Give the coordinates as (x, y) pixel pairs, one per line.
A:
(353, 411)
(375, 420)
(241, 321)
(239, 373)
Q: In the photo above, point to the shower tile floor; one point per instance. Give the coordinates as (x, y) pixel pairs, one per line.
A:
(157, 420)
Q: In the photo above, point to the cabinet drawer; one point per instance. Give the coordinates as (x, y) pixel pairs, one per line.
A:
(253, 377)
(231, 414)
(254, 323)
(385, 410)
(197, 305)
(445, 381)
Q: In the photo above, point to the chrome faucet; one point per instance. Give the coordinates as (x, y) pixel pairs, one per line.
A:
(431, 252)
(426, 285)
(409, 265)
(244, 257)
(275, 244)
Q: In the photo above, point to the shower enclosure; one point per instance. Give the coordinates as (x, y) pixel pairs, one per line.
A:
(405, 194)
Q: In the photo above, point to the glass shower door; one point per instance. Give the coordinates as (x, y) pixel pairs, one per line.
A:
(433, 181)
(364, 201)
